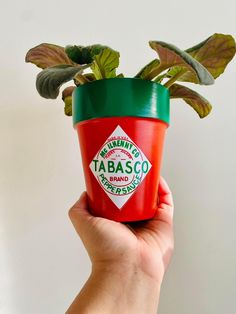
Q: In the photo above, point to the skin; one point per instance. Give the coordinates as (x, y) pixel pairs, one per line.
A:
(128, 260)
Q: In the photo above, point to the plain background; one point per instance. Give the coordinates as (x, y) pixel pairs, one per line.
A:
(43, 264)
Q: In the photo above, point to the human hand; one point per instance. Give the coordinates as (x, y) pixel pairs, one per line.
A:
(146, 245)
(128, 260)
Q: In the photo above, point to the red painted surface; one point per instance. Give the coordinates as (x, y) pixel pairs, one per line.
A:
(148, 134)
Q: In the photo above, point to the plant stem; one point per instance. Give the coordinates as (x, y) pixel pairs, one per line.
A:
(159, 78)
(154, 72)
(174, 78)
(80, 79)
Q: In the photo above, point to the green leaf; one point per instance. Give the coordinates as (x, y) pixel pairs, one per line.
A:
(75, 53)
(47, 55)
(171, 56)
(214, 54)
(83, 55)
(50, 79)
(121, 75)
(159, 78)
(147, 69)
(68, 106)
(200, 104)
(105, 64)
(67, 98)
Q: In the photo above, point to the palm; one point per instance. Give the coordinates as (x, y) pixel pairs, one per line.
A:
(148, 244)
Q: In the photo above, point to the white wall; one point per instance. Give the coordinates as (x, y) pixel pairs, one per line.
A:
(42, 262)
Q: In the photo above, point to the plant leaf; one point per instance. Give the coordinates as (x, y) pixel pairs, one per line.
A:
(47, 55)
(67, 92)
(121, 75)
(67, 98)
(105, 64)
(193, 50)
(68, 106)
(50, 79)
(74, 53)
(80, 79)
(171, 56)
(147, 69)
(214, 54)
(90, 76)
(200, 104)
(83, 55)
(159, 78)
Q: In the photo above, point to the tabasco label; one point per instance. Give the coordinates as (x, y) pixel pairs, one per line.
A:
(119, 167)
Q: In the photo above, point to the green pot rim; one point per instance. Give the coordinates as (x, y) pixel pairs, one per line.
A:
(119, 97)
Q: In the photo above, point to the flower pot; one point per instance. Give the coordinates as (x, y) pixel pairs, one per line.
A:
(121, 124)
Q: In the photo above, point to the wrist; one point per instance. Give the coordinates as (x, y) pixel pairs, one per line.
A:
(123, 271)
(129, 289)
(113, 288)
(149, 267)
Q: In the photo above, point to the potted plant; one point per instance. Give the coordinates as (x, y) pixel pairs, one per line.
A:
(121, 121)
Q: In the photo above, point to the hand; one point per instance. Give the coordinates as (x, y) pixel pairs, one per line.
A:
(128, 260)
(145, 245)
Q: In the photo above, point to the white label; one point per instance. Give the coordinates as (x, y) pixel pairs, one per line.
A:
(119, 167)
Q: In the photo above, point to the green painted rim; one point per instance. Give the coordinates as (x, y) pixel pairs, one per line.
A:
(119, 97)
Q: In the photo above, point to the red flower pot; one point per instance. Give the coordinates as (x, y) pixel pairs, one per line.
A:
(121, 126)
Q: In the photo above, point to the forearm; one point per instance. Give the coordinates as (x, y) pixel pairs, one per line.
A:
(117, 290)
